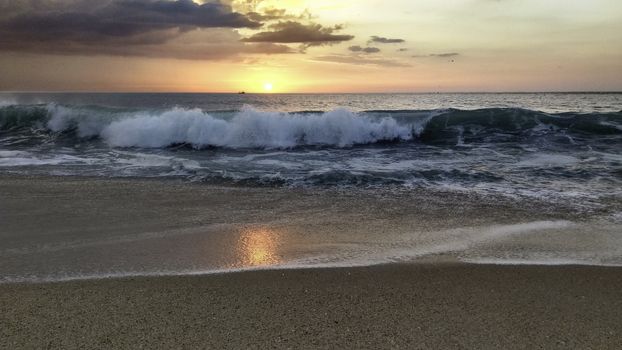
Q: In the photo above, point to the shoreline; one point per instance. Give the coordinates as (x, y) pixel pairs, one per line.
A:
(67, 228)
(438, 261)
(428, 305)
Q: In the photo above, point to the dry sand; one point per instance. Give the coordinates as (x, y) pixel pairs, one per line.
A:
(392, 306)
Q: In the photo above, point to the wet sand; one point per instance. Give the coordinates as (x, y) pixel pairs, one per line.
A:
(57, 227)
(420, 306)
(52, 225)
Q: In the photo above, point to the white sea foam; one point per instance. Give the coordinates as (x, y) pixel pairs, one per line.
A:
(616, 217)
(611, 124)
(13, 154)
(548, 160)
(22, 158)
(248, 128)
(408, 248)
(7, 102)
(87, 124)
(541, 262)
(143, 160)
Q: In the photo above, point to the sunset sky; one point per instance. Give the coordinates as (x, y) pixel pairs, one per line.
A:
(311, 46)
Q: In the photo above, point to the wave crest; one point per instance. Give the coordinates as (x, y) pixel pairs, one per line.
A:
(247, 129)
(250, 128)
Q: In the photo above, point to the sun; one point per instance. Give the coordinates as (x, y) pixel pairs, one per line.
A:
(267, 87)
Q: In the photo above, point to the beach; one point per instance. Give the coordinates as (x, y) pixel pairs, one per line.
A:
(385, 307)
(262, 174)
(129, 263)
(63, 228)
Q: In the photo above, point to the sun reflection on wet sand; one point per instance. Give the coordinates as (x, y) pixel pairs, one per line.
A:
(258, 246)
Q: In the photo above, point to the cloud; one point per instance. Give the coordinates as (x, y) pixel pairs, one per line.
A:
(263, 8)
(358, 60)
(450, 54)
(268, 15)
(274, 14)
(382, 40)
(76, 21)
(357, 48)
(209, 44)
(441, 55)
(247, 5)
(150, 28)
(287, 32)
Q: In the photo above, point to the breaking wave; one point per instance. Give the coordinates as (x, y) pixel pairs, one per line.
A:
(250, 128)
(509, 151)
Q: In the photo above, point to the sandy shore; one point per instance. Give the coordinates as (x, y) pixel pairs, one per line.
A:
(55, 226)
(391, 306)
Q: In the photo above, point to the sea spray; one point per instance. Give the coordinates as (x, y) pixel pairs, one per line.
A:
(252, 129)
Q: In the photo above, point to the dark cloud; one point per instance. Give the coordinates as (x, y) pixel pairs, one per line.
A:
(449, 54)
(359, 60)
(382, 40)
(120, 27)
(403, 49)
(184, 29)
(442, 55)
(207, 44)
(75, 21)
(221, 51)
(357, 48)
(295, 32)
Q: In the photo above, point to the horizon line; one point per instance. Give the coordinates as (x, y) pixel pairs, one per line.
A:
(311, 93)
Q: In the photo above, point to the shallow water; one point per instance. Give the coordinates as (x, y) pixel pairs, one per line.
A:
(74, 228)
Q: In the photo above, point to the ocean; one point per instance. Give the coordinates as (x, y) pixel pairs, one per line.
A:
(554, 145)
(306, 181)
